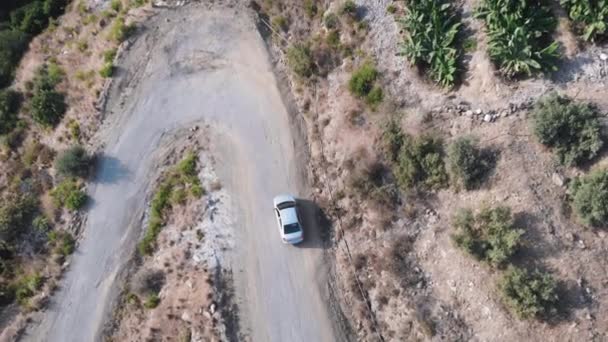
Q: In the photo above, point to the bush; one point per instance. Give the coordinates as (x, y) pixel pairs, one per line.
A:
(109, 56)
(310, 7)
(16, 213)
(299, 59)
(590, 198)
(374, 97)
(27, 287)
(107, 70)
(116, 5)
(420, 163)
(529, 294)
(12, 46)
(431, 41)
(331, 21)
(279, 23)
(69, 194)
(349, 8)
(147, 282)
(391, 9)
(466, 162)
(9, 107)
(30, 18)
(48, 105)
(519, 34)
(120, 31)
(152, 301)
(63, 243)
(590, 17)
(362, 80)
(489, 236)
(73, 162)
(571, 129)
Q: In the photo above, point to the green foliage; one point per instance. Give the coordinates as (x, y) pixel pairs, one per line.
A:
(170, 191)
(519, 36)
(152, 301)
(73, 162)
(393, 139)
(466, 163)
(69, 194)
(116, 5)
(331, 21)
(63, 243)
(16, 212)
(589, 16)
(107, 70)
(109, 55)
(529, 294)
(9, 107)
(489, 236)
(310, 7)
(430, 43)
(26, 287)
(300, 60)
(349, 8)
(333, 38)
(30, 18)
(120, 31)
(47, 104)
(571, 129)
(41, 223)
(12, 46)
(420, 163)
(279, 23)
(590, 198)
(391, 9)
(362, 84)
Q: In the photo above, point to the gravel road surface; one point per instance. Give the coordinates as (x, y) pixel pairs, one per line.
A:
(189, 65)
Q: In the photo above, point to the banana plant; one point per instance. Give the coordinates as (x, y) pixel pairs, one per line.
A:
(590, 17)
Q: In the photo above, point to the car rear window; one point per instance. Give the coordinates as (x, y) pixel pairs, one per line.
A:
(286, 205)
(291, 228)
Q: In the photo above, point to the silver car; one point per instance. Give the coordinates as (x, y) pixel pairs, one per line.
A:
(290, 228)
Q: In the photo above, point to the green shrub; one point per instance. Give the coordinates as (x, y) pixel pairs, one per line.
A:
(393, 139)
(310, 7)
(9, 107)
(109, 56)
(432, 28)
(41, 223)
(120, 31)
(69, 194)
(333, 38)
(590, 198)
(13, 45)
(107, 70)
(590, 17)
(571, 129)
(300, 60)
(529, 294)
(519, 36)
(420, 163)
(26, 287)
(331, 21)
(48, 105)
(73, 162)
(116, 5)
(152, 301)
(30, 18)
(392, 9)
(362, 80)
(466, 162)
(374, 97)
(279, 23)
(187, 166)
(349, 8)
(489, 236)
(16, 213)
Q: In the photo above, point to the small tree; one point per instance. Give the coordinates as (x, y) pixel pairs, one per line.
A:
(572, 129)
(590, 198)
(362, 80)
(490, 236)
(73, 162)
(48, 105)
(529, 294)
(466, 163)
(299, 59)
(420, 162)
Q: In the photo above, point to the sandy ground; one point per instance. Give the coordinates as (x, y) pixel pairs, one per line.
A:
(190, 64)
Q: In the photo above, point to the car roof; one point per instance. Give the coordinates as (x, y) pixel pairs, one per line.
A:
(283, 198)
(289, 215)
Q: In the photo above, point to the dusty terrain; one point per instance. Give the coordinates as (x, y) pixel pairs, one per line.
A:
(190, 64)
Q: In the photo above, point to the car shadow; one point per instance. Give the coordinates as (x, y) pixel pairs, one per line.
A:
(316, 225)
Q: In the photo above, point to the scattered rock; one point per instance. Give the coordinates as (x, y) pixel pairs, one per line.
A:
(478, 111)
(487, 118)
(558, 179)
(212, 308)
(186, 317)
(469, 113)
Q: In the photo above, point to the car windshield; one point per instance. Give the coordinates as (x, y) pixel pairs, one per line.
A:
(285, 205)
(291, 228)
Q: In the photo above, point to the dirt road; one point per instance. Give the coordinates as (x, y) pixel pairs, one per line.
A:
(193, 64)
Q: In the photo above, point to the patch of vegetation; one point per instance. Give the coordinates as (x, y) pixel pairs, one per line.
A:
(116, 5)
(432, 28)
(420, 163)
(152, 301)
(62, 243)
(9, 108)
(467, 163)
(147, 281)
(47, 104)
(74, 128)
(109, 55)
(12, 47)
(120, 31)
(26, 287)
(590, 17)
(16, 214)
(469, 45)
(107, 70)
(300, 60)
(392, 138)
(349, 8)
(571, 129)
(182, 178)
(519, 36)
(529, 294)
(73, 162)
(333, 38)
(362, 84)
(392, 9)
(331, 21)
(280, 23)
(489, 236)
(590, 198)
(310, 7)
(69, 194)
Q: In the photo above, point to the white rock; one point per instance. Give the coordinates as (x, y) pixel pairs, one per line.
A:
(478, 111)
(558, 179)
(468, 113)
(487, 118)
(186, 316)
(603, 56)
